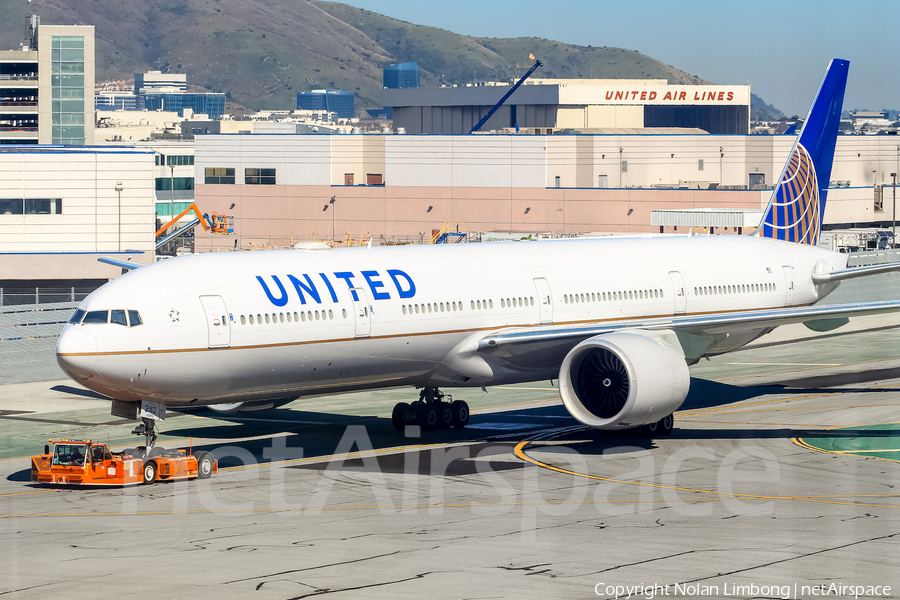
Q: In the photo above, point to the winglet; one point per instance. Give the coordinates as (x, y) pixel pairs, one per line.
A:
(797, 205)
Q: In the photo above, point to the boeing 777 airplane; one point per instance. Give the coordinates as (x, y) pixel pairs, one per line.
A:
(616, 320)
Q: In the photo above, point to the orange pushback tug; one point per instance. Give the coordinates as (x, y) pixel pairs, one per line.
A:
(83, 462)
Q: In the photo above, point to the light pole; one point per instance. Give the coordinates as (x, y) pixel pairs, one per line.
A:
(620, 166)
(721, 171)
(332, 203)
(119, 189)
(172, 191)
(894, 209)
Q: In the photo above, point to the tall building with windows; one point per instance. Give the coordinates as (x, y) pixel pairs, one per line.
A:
(336, 101)
(402, 75)
(210, 103)
(47, 87)
(66, 84)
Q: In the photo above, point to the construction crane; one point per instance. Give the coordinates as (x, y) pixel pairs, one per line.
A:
(484, 119)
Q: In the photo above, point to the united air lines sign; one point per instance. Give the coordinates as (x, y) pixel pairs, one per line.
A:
(680, 95)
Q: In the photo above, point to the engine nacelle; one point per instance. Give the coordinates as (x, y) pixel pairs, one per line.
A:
(238, 407)
(623, 380)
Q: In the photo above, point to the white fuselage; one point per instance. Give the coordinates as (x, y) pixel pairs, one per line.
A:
(418, 313)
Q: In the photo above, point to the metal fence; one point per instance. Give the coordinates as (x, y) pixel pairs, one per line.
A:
(15, 296)
(874, 257)
(28, 335)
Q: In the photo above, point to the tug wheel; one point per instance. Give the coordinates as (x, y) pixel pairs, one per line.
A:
(204, 464)
(149, 472)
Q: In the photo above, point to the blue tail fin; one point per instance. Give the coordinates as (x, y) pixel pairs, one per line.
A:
(798, 202)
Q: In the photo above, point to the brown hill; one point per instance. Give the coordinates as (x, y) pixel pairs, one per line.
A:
(262, 52)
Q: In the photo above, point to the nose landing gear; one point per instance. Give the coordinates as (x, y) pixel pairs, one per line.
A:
(433, 410)
(148, 430)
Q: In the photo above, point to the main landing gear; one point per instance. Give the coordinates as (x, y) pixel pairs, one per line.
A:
(431, 411)
(662, 427)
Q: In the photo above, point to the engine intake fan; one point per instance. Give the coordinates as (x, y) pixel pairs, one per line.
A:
(623, 380)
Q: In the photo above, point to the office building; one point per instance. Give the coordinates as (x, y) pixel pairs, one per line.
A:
(336, 101)
(47, 87)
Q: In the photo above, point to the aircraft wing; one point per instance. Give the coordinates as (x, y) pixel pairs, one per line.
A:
(700, 325)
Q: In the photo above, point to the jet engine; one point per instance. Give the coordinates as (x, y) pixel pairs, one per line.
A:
(623, 380)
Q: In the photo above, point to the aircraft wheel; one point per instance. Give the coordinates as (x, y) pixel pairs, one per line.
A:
(427, 416)
(460, 412)
(652, 428)
(204, 464)
(398, 416)
(445, 414)
(667, 424)
(149, 472)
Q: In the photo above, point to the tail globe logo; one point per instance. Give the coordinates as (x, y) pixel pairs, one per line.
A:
(795, 213)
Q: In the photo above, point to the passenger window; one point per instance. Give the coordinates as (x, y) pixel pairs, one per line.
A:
(118, 317)
(96, 316)
(76, 316)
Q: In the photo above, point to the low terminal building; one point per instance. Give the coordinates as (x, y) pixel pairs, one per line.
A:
(548, 105)
(62, 208)
(281, 189)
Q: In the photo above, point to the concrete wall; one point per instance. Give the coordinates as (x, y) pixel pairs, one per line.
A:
(92, 219)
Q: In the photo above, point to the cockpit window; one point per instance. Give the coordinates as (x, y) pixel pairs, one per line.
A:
(96, 316)
(117, 316)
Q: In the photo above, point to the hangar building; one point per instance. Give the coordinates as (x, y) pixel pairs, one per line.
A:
(548, 105)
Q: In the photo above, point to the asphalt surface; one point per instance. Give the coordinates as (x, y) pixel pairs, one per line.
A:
(762, 486)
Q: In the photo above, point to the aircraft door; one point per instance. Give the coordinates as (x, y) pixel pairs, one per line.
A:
(680, 296)
(217, 321)
(362, 312)
(789, 284)
(545, 300)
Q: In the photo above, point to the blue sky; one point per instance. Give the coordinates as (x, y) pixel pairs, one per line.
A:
(781, 48)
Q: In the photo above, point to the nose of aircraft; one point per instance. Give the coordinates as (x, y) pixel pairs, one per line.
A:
(76, 353)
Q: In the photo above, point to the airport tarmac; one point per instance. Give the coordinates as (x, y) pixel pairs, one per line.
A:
(781, 473)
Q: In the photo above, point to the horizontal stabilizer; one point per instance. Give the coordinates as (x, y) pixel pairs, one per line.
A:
(118, 263)
(820, 278)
